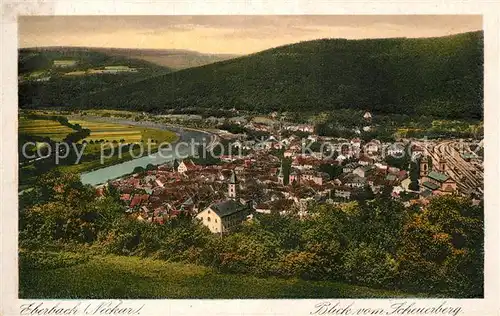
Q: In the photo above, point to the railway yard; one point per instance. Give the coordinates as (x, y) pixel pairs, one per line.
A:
(468, 173)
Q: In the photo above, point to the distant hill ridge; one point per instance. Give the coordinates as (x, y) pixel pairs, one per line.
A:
(440, 76)
(171, 58)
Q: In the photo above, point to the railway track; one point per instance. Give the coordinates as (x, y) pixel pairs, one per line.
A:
(468, 177)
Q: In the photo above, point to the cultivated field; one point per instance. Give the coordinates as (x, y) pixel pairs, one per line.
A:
(113, 135)
(45, 128)
(126, 133)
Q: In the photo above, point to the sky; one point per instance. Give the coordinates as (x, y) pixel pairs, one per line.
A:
(229, 34)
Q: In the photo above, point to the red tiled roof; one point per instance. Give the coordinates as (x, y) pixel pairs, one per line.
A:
(365, 158)
(190, 165)
(99, 191)
(138, 199)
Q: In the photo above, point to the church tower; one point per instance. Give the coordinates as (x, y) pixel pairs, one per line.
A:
(424, 166)
(281, 175)
(442, 165)
(232, 186)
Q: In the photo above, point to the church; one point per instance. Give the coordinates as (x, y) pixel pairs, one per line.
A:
(436, 181)
(223, 216)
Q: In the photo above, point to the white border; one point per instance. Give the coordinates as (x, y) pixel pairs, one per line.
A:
(9, 303)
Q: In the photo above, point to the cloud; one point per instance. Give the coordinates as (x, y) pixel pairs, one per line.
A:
(228, 34)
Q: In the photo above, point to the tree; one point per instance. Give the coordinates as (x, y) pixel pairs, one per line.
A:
(444, 243)
(333, 170)
(64, 187)
(138, 169)
(366, 194)
(66, 210)
(370, 265)
(414, 175)
(110, 190)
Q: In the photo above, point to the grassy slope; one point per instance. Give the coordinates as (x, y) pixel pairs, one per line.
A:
(437, 76)
(134, 278)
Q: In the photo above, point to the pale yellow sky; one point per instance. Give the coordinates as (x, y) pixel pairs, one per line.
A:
(229, 34)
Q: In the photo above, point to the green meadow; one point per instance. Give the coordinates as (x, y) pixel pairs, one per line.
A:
(75, 276)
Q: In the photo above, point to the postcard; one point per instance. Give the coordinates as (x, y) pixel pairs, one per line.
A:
(165, 159)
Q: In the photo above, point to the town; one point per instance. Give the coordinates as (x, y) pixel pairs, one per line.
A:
(282, 175)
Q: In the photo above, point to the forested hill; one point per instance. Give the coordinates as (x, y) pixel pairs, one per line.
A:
(432, 76)
(55, 76)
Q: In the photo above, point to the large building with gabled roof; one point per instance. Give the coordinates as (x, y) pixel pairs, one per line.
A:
(223, 216)
(439, 183)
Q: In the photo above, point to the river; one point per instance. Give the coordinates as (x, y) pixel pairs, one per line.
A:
(164, 155)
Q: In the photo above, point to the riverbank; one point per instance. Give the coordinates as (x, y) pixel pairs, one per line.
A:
(122, 168)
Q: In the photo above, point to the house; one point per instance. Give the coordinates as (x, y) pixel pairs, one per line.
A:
(186, 165)
(406, 184)
(394, 170)
(364, 161)
(396, 150)
(341, 158)
(343, 193)
(356, 142)
(263, 208)
(159, 183)
(316, 177)
(125, 197)
(223, 216)
(402, 174)
(363, 171)
(373, 147)
(337, 182)
(289, 153)
(138, 199)
(348, 168)
(416, 151)
(301, 127)
(391, 178)
(382, 167)
(227, 158)
(346, 149)
(355, 181)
